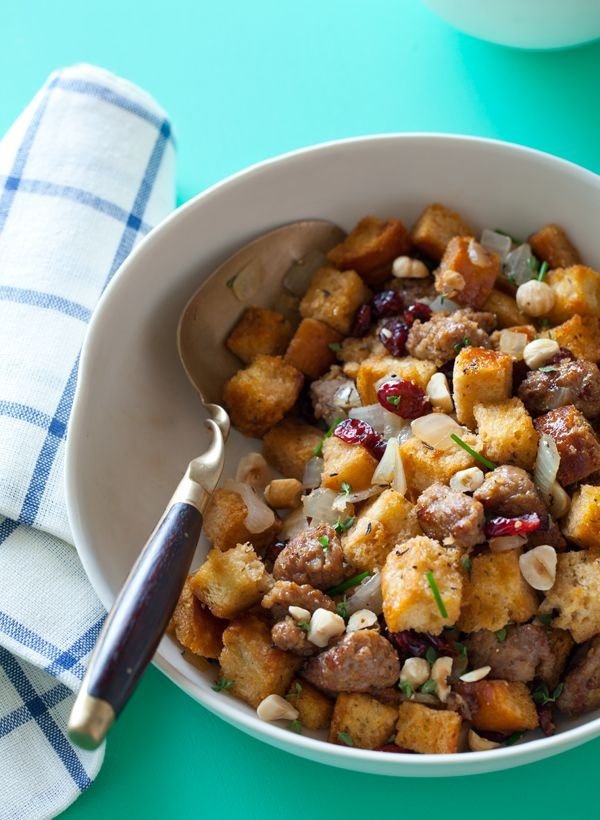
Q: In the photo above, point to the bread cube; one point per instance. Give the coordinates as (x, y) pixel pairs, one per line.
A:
(408, 598)
(576, 442)
(580, 335)
(505, 308)
(195, 627)
(259, 331)
(229, 582)
(333, 297)
(552, 664)
(354, 350)
(502, 706)
(582, 524)
(250, 660)
(577, 290)
(224, 523)
(576, 595)
(374, 368)
(289, 445)
(424, 466)
(310, 351)
(553, 246)
(371, 244)
(495, 593)
(477, 266)
(260, 396)
(428, 731)
(481, 376)
(383, 522)
(366, 721)
(314, 707)
(436, 226)
(505, 433)
(349, 463)
(284, 493)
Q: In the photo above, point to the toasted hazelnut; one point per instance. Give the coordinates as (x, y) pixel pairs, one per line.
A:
(299, 614)
(440, 672)
(535, 298)
(538, 567)
(415, 671)
(539, 352)
(477, 743)
(325, 625)
(476, 674)
(361, 619)
(467, 481)
(406, 268)
(274, 707)
(438, 392)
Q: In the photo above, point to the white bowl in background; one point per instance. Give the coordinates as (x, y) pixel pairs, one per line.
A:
(137, 422)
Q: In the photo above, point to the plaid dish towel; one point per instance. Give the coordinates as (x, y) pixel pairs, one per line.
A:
(85, 172)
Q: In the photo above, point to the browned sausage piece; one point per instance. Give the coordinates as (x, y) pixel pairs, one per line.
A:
(290, 637)
(439, 339)
(509, 491)
(313, 557)
(284, 594)
(577, 445)
(582, 684)
(449, 516)
(361, 661)
(576, 383)
(322, 395)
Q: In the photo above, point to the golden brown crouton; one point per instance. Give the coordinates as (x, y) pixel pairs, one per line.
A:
(383, 522)
(333, 297)
(257, 331)
(480, 376)
(436, 226)
(505, 308)
(576, 594)
(310, 350)
(361, 721)
(502, 706)
(372, 243)
(195, 627)
(284, 493)
(424, 466)
(375, 368)
(409, 601)
(582, 525)
(289, 445)
(576, 289)
(580, 335)
(314, 707)
(428, 731)
(553, 246)
(576, 442)
(260, 396)
(250, 660)
(349, 463)
(224, 523)
(477, 267)
(505, 433)
(229, 582)
(495, 593)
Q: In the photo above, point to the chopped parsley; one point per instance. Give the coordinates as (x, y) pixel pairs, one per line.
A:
(393, 400)
(230, 282)
(406, 688)
(549, 368)
(543, 271)
(341, 526)
(324, 542)
(298, 687)
(335, 346)
(466, 562)
(431, 655)
(464, 342)
(511, 739)
(348, 583)
(319, 448)
(542, 696)
(462, 649)
(482, 459)
(429, 687)
(546, 620)
(221, 684)
(345, 738)
(342, 609)
(304, 625)
(346, 489)
(436, 594)
(544, 324)
(296, 726)
(501, 634)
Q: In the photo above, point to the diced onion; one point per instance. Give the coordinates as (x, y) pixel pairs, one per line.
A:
(367, 595)
(546, 466)
(394, 425)
(405, 433)
(259, 517)
(346, 397)
(300, 272)
(312, 472)
(318, 505)
(372, 414)
(249, 281)
(498, 243)
(559, 501)
(435, 430)
(342, 500)
(513, 343)
(254, 471)
(504, 543)
(443, 303)
(293, 524)
(517, 265)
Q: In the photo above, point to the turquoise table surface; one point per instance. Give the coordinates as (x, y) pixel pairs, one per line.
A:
(244, 81)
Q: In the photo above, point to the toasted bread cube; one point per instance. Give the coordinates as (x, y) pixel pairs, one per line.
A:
(582, 524)
(349, 463)
(436, 226)
(366, 721)
(284, 493)
(354, 350)
(195, 627)
(229, 582)
(371, 244)
(424, 466)
(428, 731)
(408, 598)
(289, 445)
(250, 660)
(576, 442)
(314, 707)
(374, 368)
(580, 335)
(333, 297)
(480, 376)
(259, 331)
(260, 396)
(477, 266)
(553, 664)
(224, 523)
(553, 246)
(383, 522)
(502, 706)
(505, 308)
(505, 433)
(310, 349)
(495, 593)
(576, 595)
(576, 290)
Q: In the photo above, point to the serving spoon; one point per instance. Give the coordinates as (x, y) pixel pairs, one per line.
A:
(260, 273)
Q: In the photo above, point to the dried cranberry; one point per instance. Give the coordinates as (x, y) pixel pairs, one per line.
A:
(419, 311)
(403, 398)
(546, 717)
(387, 303)
(274, 549)
(362, 321)
(410, 644)
(355, 431)
(393, 336)
(513, 526)
(392, 747)
(563, 355)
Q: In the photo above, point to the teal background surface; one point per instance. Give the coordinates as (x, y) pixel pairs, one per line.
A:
(244, 81)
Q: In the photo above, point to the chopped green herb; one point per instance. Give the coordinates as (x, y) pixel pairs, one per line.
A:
(346, 488)
(342, 609)
(431, 654)
(304, 625)
(464, 342)
(466, 562)
(319, 448)
(545, 619)
(501, 634)
(542, 696)
(296, 726)
(544, 324)
(348, 583)
(406, 688)
(482, 459)
(511, 739)
(436, 594)
(549, 368)
(462, 649)
(341, 526)
(429, 687)
(393, 400)
(335, 346)
(324, 542)
(230, 282)
(298, 687)
(221, 684)
(543, 271)
(345, 738)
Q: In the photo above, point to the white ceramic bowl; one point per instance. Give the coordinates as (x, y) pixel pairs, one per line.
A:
(137, 422)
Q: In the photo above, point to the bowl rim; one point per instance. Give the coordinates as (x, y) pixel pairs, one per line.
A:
(227, 708)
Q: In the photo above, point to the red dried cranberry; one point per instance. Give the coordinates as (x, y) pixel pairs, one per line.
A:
(387, 303)
(419, 311)
(546, 717)
(403, 398)
(563, 355)
(274, 549)
(393, 336)
(513, 526)
(362, 321)
(355, 431)
(410, 644)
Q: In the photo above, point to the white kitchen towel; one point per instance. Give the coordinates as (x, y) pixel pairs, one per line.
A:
(85, 172)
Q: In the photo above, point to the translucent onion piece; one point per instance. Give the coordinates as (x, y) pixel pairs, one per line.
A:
(443, 303)
(293, 524)
(394, 425)
(343, 500)
(300, 272)
(517, 266)
(249, 280)
(504, 543)
(346, 397)
(367, 595)
(435, 430)
(477, 254)
(496, 242)
(254, 471)
(405, 433)
(559, 397)
(559, 501)
(513, 343)
(312, 472)
(318, 505)
(546, 466)
(259, 517)
(384, 472)
(372, 414)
